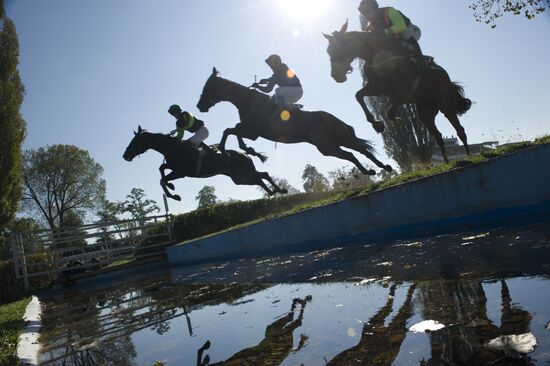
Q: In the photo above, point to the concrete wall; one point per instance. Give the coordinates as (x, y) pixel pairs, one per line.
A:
(508, 190)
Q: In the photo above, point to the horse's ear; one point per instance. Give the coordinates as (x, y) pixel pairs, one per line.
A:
(214, 71)
(139, 129)
(329, 37)
(345, 26)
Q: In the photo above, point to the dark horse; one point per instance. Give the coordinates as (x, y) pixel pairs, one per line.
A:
(260, 117)
(184, 160)
(390, 72)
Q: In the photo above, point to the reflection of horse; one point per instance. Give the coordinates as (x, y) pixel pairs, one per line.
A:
(274, 348)
(471, 337)
(260, 117)
(397, 77)
(380, 343)
(186, 161)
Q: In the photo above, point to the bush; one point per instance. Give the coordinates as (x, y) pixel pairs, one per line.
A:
(12, 289)
(223, 216)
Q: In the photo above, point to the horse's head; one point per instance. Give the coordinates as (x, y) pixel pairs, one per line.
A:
(137, 146)
(341, 54)
(210, 95)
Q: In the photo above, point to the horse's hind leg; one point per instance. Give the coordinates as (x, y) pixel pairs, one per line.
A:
(251, 178)
(358, 146)
(336, 151)
(453, 118)
(427, 113)
(276, 188)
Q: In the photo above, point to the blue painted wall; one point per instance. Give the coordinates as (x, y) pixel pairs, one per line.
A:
(507, 190)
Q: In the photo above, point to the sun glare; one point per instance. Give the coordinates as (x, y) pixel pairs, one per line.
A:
(304, 9)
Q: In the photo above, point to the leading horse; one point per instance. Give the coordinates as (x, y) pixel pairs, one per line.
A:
(260, 117)
(184, 160)
(391, 72)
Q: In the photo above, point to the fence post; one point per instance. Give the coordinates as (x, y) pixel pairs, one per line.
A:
(168, 219)
(19, 256)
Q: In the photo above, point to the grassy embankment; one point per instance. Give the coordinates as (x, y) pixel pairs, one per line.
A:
(11, 325)
(229, 216)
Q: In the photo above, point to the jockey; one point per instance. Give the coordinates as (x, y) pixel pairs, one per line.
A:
(186, 121)
(393, 23)
(289, 90)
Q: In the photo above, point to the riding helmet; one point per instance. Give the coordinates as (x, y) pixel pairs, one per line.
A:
(174, 110)
(274, 60)
(367, 6)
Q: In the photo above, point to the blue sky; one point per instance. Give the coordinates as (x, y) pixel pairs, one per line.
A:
(94, 70)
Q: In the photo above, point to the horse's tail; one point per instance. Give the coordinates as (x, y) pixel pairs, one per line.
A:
(366, 143)
(463, 103)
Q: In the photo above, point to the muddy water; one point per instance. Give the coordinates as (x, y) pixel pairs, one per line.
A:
(470, 299)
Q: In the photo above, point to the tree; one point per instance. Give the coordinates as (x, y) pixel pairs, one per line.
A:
(137, 205)
(283, 184)
(58, 179)
(12, 125)
(488, 11)
(206, 197)
(313, 180)
(406, 139)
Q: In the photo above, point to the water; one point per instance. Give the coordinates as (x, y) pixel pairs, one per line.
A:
(487, 292)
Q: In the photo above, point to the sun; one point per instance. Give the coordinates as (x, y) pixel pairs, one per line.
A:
(304, 9)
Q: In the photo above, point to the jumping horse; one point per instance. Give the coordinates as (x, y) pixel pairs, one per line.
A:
(261, 117)
(391, 72)
(184, 160)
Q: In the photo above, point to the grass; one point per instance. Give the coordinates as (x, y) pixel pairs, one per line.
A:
(395, 180)
(11, 325)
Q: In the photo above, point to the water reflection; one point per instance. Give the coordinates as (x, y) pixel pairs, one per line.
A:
(340, 314)
(276, 345)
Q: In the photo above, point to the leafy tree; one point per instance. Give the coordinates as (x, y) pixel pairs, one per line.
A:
(283, 184)
(313, 180)
(488, 11)
(25, 226)
(137, 205)
(343, 178)
(12, 125)
(58, 179)
(406, 139)
(206, 197)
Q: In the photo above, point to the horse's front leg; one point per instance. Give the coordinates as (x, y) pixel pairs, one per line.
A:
(368, 91)
(226, 133)
(162, 169)
(249, 150)
(164, 183)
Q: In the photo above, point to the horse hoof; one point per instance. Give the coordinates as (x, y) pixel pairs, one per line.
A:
(177, 197)
(378, 126)
(170, 185)
(388, 168)
(371, 172)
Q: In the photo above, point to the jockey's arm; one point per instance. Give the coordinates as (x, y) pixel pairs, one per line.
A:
(398, 22)
(179, 133)
(269, 85)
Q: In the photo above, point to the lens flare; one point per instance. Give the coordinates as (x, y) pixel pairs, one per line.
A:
(285, 115)
(304, 9)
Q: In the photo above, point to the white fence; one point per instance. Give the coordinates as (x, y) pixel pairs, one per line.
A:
(49, 255)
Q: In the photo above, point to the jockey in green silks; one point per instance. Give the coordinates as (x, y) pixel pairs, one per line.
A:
(185, 121)
(393, 23)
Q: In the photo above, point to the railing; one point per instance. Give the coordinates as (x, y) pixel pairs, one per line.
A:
(43, 256)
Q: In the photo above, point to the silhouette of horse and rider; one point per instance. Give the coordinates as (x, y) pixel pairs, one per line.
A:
(394, 66)
(274, 348)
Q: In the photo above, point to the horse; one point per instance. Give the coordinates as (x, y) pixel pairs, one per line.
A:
(261, 117)
(184, 160)
(391, 72)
